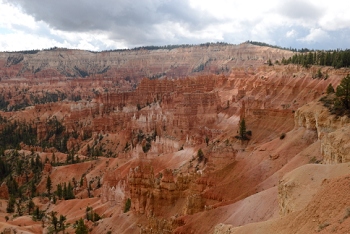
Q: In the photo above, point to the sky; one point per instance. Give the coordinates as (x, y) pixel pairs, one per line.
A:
(118, 24)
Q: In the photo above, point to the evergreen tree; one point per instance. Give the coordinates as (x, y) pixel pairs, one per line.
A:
(127, 205)
(330, 89)
(54, 221)
(37, 215)
(200, 155)
(61, 223)
(48, 185)
(53, 160)
(70, 193)
(19, 208)
(31, 206)
(343, 91)
(242, 130)
(65, 196)
(59, 191)
(11, 204)
(81, 227)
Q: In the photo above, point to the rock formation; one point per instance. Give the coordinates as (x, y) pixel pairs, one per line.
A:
(169, 143)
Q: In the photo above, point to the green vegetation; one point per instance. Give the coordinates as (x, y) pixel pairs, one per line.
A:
(127, 205)
(11, 205)
(81, 72)
(40, 97)
(48, 185)
(268, 45)
(65, 192)
(91, 215)
(330, 89)
(343, 92)
(243, 133)
(242, 130)
(81, 228)
(207, 140)
(14, 164)
(200, 155)
(166, 47)
(144, 139)
(47, 97)
(16, 132)
(38, 214)
(269, 62)
(282, 136)
(334, 58)
(201, 66)
(338, 103)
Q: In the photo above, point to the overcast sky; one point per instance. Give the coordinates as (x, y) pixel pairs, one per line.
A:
(116, 24)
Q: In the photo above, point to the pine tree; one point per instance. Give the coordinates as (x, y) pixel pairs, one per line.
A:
(207, 140)
(343, 91)
(242, 130)
(54, 220)
(59, 191)
(330, 89)
(48, 185)
(81, 227)
(31, 206)
(61, 223)
(11, 205)
(65, 196)
(200, 155)
(53, 160)
(19, 208)
(127, 205)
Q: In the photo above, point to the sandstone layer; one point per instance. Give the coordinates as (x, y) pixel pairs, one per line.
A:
(170, 145)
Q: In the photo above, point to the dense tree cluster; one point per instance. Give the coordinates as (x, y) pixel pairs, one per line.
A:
(167, 47)
(335, 58)
(65, 192)
(15, 132)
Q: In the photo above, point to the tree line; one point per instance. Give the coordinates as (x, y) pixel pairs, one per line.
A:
(334, 58)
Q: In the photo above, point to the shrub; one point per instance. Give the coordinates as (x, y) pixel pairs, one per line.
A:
(347, 215)
(127, 205)
(249, 133)
(282, 136)
(330, 89)
(200, 155)
(323, 226)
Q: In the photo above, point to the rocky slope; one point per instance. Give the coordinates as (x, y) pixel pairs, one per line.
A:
(137, 63)
(170, 145)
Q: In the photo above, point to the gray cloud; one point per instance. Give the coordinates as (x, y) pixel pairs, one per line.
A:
(300, 9)
(110, 24)
(134, 22)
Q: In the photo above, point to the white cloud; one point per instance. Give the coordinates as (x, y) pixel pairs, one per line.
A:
(315, 35)
(291, 33)
(22, 41)
(298, 23)
(12, 17)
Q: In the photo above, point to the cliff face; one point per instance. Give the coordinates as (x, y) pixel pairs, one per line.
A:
(332, 131)
(132, 65)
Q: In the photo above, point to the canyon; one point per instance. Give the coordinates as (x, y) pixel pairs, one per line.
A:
(159, 130)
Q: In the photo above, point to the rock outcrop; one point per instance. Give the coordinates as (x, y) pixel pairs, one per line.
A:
(331, 130)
